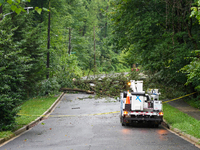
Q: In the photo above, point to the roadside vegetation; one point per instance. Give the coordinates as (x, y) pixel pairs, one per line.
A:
(29, 111)
(110, 86)
(181, 121)
(93, 37)
(34, 108)
(80, 44)
(194, 102)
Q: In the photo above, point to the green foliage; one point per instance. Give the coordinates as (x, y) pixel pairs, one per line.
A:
(153, 35)
(192, 70)
(5, 134)
(195, 10)
(12, 63)
(18, 5)
(12, 70)
(23, 40)
(153, 80)
(194, 102)
(81, 20)
(8, 112)
(49, 86)
(115, 84)
(21, 61)
(63, 74)
(111, 85)
(29, 38)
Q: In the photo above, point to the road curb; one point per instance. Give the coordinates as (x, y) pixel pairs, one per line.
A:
(33, 123)
(181, 133)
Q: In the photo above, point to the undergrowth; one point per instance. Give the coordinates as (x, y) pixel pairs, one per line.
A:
(194, 102)
(168, 90)
(5, 134)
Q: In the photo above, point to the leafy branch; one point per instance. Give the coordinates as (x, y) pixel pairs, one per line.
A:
(16, 7)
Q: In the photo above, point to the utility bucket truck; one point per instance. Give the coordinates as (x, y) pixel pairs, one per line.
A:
(136, 106)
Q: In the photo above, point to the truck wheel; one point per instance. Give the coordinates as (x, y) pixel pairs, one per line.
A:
(156, 125)
(122, 121)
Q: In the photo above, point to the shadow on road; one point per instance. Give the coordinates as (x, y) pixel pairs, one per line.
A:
(141, 125)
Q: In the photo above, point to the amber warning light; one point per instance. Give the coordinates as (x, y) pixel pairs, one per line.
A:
(125, 112)
(129, 83)
(161, 113)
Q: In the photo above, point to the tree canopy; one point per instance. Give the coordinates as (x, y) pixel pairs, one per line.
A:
(79, 37)
(93, 36)
(159, 35)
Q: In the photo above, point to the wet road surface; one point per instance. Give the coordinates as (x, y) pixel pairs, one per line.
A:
(80, 122)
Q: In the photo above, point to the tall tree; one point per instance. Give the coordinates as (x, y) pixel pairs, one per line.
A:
(160, 33)
(192, 69)
(1, 11)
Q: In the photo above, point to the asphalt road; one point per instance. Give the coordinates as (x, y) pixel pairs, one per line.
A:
(80, 122)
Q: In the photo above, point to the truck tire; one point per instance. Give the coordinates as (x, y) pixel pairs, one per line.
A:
(122, 121)
(156, 125)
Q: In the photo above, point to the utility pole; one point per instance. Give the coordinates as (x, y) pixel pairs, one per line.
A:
(94, 54)
(48, 42)
(69, 40)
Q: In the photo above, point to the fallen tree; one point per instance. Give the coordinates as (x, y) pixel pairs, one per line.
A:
(78, 90)
(110, 85)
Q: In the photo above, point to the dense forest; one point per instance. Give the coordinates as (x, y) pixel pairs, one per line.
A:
(163, 36)
(45, 44)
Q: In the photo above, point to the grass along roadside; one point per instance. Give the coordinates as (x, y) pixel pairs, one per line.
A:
(181, 121)
(5, 134)
(30, 110)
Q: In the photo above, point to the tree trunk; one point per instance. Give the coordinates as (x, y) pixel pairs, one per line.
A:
(78, 90)
(48, 42)
(69, 41)
(94, 53)
(1, 11)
